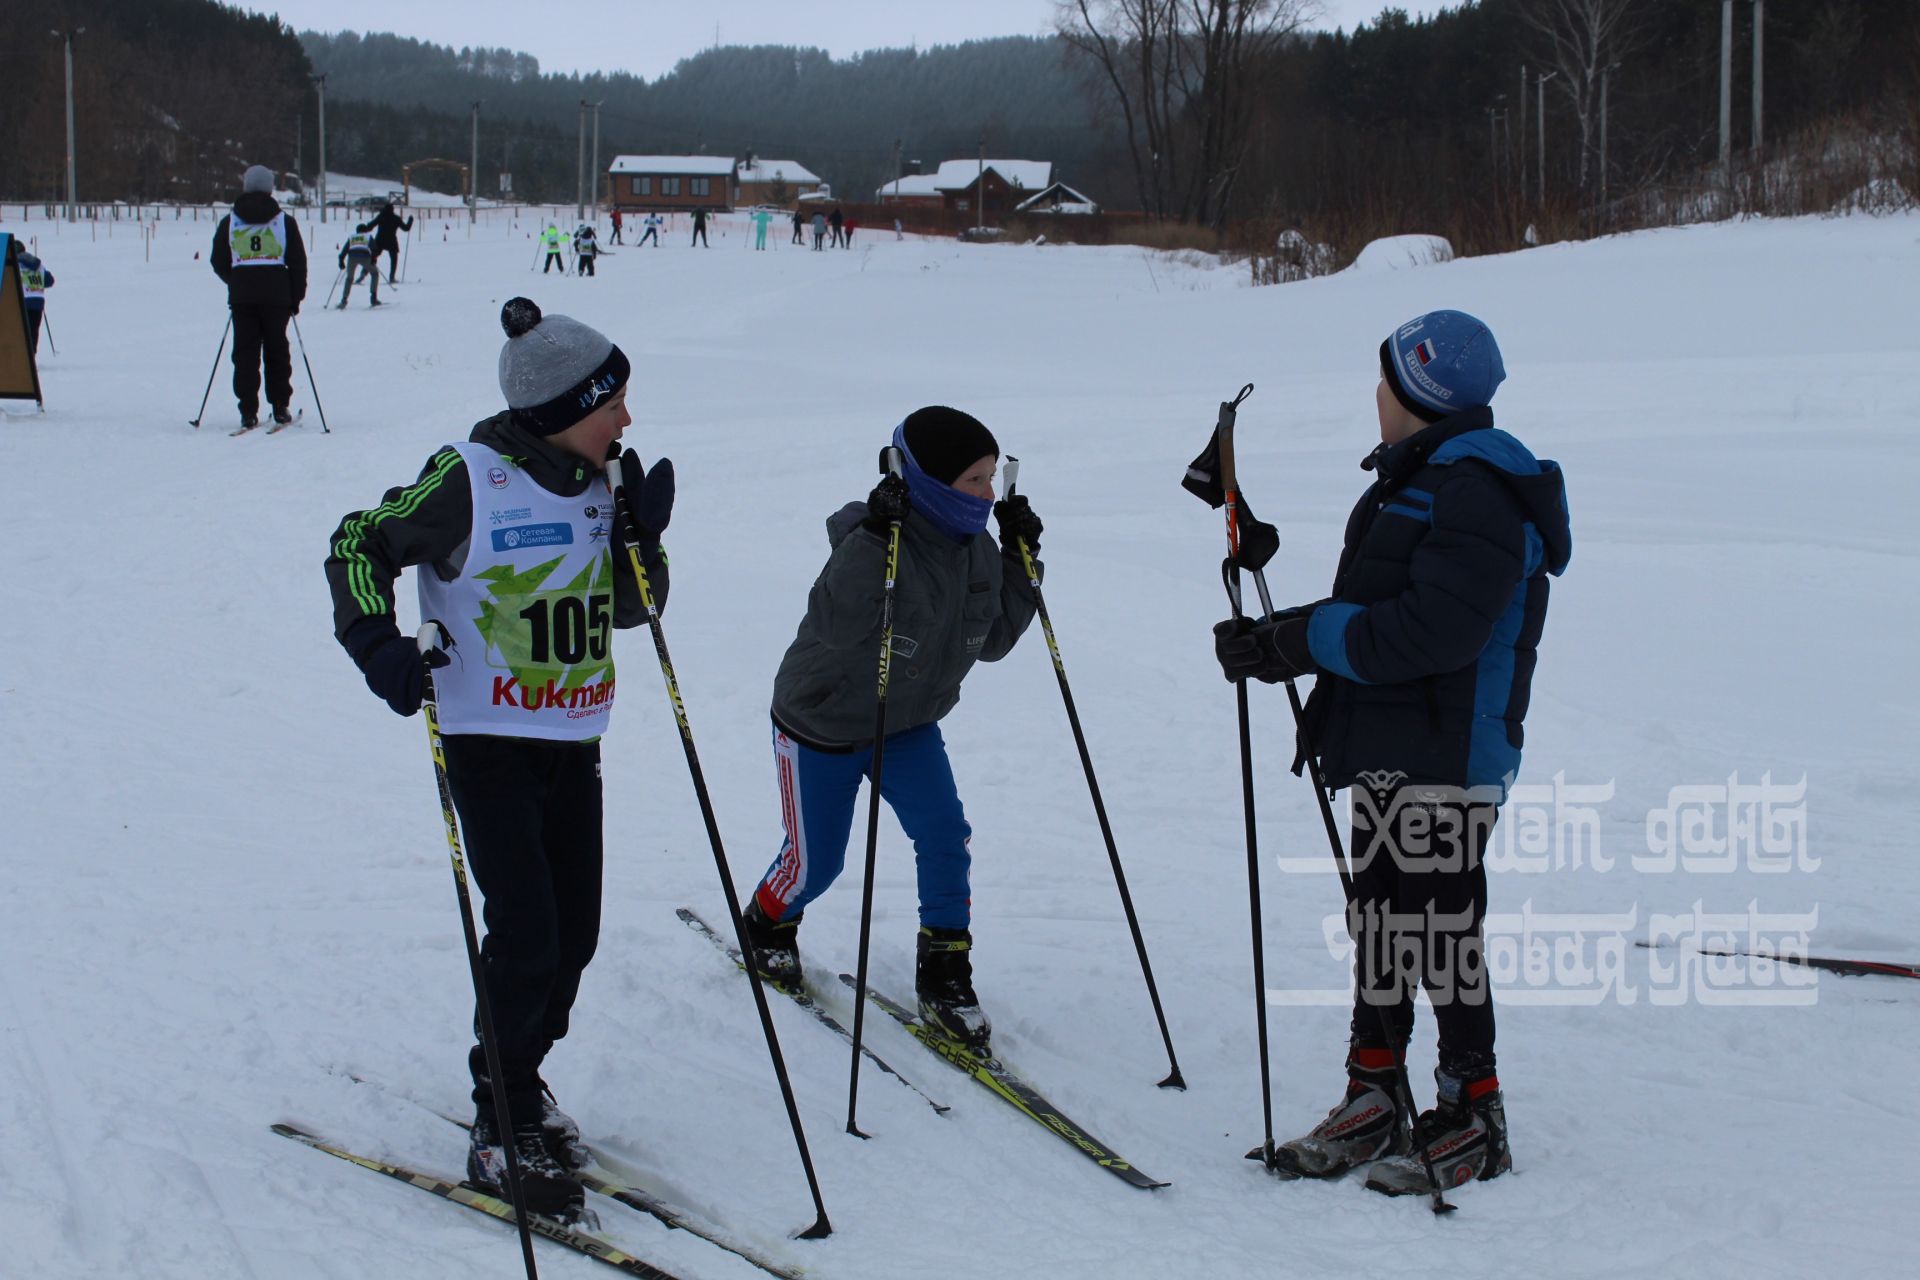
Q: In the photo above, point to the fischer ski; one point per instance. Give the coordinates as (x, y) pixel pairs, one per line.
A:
(493, 1206)
(1830, 964)
(1004, 1083)
(282, 426)
(805, 1001)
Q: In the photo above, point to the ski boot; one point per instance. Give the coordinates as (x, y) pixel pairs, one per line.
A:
(282, 415)
(249, 419)
(774, 948)
(561, 1132)
(1363, 1126)
(1465, 1135)
(943, 978)
(545, 1185)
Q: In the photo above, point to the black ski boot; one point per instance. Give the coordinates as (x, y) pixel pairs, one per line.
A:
(1465, 1134)
(282, 415)
(775, 948)
(249, 419)
(1365, 1125)
(561, 1132)
(545, 1185)
(943, 978)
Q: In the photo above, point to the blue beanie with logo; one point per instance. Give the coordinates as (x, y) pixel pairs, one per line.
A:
(1442, 363)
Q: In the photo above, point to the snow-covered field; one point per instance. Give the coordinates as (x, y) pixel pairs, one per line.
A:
(226, 885)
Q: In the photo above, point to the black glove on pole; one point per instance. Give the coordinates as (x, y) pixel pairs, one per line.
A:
(1250, 544)
(425, 650)
(638, 504)
(1020, 536)
(889, 497)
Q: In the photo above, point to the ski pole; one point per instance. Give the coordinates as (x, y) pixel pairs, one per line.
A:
(406, 254)
(821, 1228)
(46, 322)
(430, 645)
(1174, 1079)
(1251, 543)
(324, 428)
(332, 287)
(890, 463)
(217, 352)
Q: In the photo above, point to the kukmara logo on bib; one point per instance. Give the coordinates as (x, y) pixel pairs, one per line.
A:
(497, 477)
(532, 535)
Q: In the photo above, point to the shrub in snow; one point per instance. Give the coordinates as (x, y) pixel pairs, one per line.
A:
(1294, 257)
(1396, 253)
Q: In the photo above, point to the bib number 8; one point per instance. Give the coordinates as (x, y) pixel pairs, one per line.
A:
(256, 242)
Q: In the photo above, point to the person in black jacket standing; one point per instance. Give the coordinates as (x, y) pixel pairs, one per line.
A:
(258, 253)
(1423, 657)
(386, 227)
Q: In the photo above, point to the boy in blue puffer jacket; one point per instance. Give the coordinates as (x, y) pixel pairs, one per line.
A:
(1424, 657)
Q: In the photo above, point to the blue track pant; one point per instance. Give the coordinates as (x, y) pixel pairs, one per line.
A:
(817, 793)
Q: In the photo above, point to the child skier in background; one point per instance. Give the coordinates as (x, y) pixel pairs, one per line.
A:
(556, 244)
(514, 533)
(35, 280)
(586, 249)
(357, 260)
(1423, 658)
(959, 600)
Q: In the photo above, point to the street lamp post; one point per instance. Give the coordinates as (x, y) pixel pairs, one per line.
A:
(580, 185)
(73, 197)
(321, 82)
(1540, 130)
(593, 174)
(473, 184)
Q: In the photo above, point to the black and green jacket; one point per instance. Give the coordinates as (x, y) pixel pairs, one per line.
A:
(430, 523)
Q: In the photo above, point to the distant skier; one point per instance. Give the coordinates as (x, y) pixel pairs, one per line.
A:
(652, 222)
(798, 222)
(556, 245)
(258, 253)
(510, 534)
(359, 261)
(899, 232)
(700, 229)
(615, 237)
(35, 280)
(819, 230)
(386, 227)
(962, 600)
(836, 220)
(1422, 658)
(586, 249)
(760, 220)
(847, 228)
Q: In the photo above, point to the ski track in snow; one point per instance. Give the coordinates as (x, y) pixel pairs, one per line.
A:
(229, 889)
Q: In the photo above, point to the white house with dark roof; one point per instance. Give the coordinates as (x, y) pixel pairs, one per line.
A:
(671, 182)
(914, 189)
(761, 181)
(1057, 198)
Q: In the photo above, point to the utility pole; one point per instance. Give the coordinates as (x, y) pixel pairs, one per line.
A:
(321, 81)
(899, 170)
(1523, 131)
(580, 188)
(1606, 75)
(473, 187)
(595, 171)
(300, 149)
(980, 189)
(1759, 24)
(1726, 93)
(73, 196)
(1540, 130)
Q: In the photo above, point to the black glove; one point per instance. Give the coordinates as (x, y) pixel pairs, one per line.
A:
(1017, 522)
(645, 498)
(397, 671)
(888, 502)
(1269, 651)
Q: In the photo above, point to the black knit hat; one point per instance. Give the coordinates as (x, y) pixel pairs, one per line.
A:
(945, 442)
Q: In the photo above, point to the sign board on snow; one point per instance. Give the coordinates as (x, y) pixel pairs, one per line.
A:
(19, 378)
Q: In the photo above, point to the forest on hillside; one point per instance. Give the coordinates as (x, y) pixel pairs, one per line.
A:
(1229, 116)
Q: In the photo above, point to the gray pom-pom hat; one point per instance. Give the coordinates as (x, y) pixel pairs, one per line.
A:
(554, 371)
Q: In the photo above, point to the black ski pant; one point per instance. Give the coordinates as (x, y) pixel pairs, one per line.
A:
(649, 234)
(260, 332)
(34, 316)
(553, 256)
(586, 264)
(616, 234)
(700, 237)
(1420, 903)
(393, 259)
(530, 815)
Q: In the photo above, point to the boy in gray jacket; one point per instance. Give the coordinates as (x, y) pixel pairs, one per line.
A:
(958, 599)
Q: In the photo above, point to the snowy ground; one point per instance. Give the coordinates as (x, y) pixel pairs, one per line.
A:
(227, 885)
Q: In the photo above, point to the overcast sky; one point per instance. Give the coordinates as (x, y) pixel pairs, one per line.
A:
(646, 37)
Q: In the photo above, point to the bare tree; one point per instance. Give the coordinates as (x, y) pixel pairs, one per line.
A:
(1583, 39)
(1182, 73)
